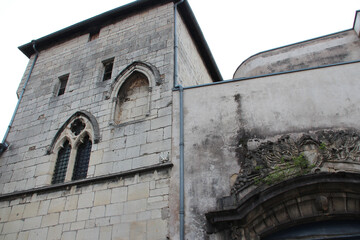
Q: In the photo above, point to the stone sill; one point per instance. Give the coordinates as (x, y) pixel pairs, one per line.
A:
(82, 182)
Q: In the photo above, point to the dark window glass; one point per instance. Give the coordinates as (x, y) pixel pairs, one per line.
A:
(82, 159)
(77, 126)
(61, 164)
(108, 66)
(94, 35)
(63, 81)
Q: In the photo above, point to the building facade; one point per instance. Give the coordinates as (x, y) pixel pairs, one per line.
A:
(125, 130)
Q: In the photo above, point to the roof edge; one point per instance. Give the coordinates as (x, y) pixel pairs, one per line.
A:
(288, 45)
(85, 26)
(124, 11)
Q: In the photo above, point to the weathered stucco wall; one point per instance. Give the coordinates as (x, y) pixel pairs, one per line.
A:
(331, 49)
(220, 118)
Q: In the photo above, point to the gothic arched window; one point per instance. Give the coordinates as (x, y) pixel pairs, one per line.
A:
(82, 159)
(71, 148)
(61, 163)
(132, 102)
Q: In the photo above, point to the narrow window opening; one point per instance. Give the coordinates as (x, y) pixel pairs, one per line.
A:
(61, 163)
(63, 81)
(94, 35)
(82, 159)
(108, 67)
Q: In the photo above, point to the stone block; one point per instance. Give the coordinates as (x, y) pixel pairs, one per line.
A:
(12, 227)
(54, 233)
(68, 216)
(160, 122)
(155, 135)
(105, 233)
(42, 169)
(115, 209)
(4, 214)
(122, 165)
(32, 223)
(71, 202)
(156, 229)
(50, 220)
(121, 231)
(159, 191)
(138, 191)
(86, 200)
(16, 212)
(83, 214)
(146, 160)
(57, 205)
(88, 234)
(37, 234)
(138, 231)
(105, 168)
(132, 152)
(119, 194)
(68, 235)
(102, 197)
(97, 212)
(135, 206)
(155, 147)
(43, 207)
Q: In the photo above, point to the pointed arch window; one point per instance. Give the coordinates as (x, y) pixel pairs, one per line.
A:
(61, 163)
(71, 148)
(82, 159)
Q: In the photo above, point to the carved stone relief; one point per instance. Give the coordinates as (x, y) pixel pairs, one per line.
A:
(298, 154)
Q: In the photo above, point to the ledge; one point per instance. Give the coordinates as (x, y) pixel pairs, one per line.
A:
(82, 182)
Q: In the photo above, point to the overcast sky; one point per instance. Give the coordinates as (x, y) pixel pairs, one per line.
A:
(234, 30)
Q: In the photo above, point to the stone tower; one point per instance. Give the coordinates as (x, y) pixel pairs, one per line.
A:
(89, 152)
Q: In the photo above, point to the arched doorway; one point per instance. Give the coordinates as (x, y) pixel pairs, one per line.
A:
(332, 229)
(303, 207)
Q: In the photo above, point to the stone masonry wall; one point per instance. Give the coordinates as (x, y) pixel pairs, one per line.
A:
(192, 70)
(132, 207)
(145, 37)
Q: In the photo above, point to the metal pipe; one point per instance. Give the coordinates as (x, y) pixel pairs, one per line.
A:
(4, 145)
(181, 143)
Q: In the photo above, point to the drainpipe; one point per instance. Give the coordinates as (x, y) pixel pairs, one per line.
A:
(181, 143)
(3, 144)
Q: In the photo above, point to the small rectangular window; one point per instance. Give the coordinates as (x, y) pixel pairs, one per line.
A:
(108, 67)
(94, 35)
(63, 81)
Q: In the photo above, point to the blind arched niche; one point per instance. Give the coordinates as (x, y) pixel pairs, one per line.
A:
(131, 93)
(132, 101)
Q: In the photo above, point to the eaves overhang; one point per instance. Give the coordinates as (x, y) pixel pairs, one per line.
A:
(97, 22)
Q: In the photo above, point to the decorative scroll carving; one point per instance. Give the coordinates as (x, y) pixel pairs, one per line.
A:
(237, 232)
(296, 154)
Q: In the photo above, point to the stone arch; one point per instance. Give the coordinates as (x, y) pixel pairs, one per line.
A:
(293, 180)
(132, 92)
(92, 128)
(317, 197)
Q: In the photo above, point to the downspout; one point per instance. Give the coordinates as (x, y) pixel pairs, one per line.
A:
(3, 144)
(181, 143)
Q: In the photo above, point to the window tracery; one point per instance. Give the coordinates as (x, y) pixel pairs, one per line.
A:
(71, 150)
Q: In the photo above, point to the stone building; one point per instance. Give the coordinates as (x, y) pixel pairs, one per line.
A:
(126, 130)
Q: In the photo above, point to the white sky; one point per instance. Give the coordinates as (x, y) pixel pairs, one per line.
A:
(234, 30)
